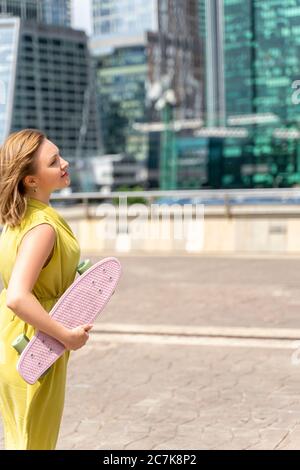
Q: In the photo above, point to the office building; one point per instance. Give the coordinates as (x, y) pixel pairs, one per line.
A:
(135, 46)
(47, 83)
(252, 60)
(55, 12)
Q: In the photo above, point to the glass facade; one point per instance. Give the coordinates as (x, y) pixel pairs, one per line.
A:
(124, 17)
(9, 30)
(25, 9)
(121, 87)
(135, 45)
(54, 88)
(52, 79)
(265, 36)
(119, 47)
(259, 64)
(211, 18)
(192, 162)
(56, 12)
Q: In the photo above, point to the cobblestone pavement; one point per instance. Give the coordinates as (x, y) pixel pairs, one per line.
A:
(147, 396)
(129, 391)
(208, 291)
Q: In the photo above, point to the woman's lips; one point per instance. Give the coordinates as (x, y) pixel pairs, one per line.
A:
(65, 174)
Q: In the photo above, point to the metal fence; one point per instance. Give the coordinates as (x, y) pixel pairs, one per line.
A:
(211, 197)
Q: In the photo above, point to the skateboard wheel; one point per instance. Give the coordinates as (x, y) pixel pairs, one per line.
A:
(84, 266)
(20, 343)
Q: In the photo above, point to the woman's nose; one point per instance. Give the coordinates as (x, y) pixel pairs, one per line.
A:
(65, 164)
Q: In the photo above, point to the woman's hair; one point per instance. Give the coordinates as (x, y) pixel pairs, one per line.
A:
(17, 160)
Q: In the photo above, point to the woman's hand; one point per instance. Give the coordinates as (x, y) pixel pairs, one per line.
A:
(77, 337)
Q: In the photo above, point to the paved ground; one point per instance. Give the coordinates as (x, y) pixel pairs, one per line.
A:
(190, 391)
(208, 291)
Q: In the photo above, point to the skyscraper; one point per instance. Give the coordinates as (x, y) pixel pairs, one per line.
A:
(47, 82)
(175, 51)
(138, 44)
(122, 22)
(256, 54)
(211, 20)
(9, 41)
(55, 12)
(265, 36)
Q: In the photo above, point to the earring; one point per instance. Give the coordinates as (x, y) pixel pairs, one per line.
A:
(34, 190)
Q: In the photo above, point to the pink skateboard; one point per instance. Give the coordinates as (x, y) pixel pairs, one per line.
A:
(80, 304)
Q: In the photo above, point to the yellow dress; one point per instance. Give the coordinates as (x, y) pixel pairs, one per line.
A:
(32, 413)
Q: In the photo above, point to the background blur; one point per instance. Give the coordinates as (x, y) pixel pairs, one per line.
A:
(191, 108)
(168, 94)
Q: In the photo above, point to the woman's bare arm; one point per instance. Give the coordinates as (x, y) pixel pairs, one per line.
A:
(34, 250)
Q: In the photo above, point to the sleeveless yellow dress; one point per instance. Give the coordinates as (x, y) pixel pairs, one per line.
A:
(32, 413)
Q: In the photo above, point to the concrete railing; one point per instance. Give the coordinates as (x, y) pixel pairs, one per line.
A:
(197, 222)
(212, 222)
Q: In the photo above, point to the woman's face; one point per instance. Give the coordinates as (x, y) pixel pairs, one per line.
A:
(50, 170)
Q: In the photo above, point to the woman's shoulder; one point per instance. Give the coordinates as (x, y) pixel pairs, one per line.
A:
(31, 219)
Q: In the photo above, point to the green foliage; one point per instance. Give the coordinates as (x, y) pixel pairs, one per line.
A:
(131, 199)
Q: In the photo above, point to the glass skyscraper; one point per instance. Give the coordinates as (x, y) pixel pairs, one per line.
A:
(47, 83)
(56, 12)
(9, 40)
(123, 22)
(119, 47)
(258, 65)
(137, 44)
(52, 79)
(265, 36)
(121, 85)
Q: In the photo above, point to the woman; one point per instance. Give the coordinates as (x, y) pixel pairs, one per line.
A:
(39, 255)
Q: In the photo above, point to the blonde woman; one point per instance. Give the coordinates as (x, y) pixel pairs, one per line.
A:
(39, 255)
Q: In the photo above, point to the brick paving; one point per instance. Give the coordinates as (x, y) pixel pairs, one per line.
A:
(159, 395)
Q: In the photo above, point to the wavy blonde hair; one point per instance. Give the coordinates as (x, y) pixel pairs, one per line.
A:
(17, 160)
